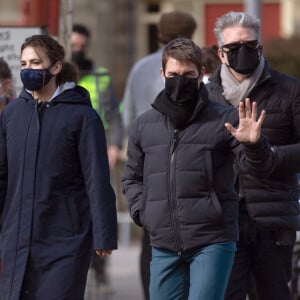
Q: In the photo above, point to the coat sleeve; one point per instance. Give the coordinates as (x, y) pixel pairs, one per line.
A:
(288, 156)
(132, 181)
(3, 164)
(255, 159)
(94, 163)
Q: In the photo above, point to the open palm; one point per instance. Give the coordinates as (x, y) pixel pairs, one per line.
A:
(249, 128)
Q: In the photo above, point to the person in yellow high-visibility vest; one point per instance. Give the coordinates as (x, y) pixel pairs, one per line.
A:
(97, 81)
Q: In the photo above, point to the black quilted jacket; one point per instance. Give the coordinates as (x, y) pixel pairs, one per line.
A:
(180, 184)
(273, 202)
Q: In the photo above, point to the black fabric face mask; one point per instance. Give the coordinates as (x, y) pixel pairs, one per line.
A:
(78, 57)
(181, 89)
(243, 60)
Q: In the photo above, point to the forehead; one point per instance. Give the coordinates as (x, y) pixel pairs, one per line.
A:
(30, 53)
(179, 66)
(78, 40)
(237, 33)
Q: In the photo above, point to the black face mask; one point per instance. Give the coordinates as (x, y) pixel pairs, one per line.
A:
(243, 60)
(78, 57)
(181, 89)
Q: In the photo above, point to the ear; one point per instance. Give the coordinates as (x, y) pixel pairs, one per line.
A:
(56, 68)
(221, 55)
(260, 50)
(162, 74)
(202, 71)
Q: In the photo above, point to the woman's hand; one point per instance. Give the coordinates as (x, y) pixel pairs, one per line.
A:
(103, 253)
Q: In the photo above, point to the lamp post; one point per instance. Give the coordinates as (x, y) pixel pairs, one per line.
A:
(253, 7)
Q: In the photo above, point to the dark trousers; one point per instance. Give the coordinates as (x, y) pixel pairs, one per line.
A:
(264, 257)
(145, 259)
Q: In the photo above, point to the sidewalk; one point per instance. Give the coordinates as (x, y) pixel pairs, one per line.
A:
(125, 283)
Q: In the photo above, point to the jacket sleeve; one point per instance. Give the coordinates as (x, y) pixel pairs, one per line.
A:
(255, 159)
(288, 156)
(3, 164)
(94, 164)
(133, 175)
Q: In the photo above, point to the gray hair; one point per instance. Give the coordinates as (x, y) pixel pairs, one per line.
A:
(236, 18)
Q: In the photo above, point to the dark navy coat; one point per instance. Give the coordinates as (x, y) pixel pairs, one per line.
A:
(56, 200)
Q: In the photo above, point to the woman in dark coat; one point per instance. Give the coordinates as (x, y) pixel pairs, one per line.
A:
(56, 200)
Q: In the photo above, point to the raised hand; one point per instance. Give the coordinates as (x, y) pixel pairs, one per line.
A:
(249, 128)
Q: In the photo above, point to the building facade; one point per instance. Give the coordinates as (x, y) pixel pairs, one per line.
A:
(125, 30)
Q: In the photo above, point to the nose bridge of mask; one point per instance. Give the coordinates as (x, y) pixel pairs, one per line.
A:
(179, 81)
(243, 52)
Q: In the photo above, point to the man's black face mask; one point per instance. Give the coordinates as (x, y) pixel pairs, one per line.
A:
(78, 57)
(181, 89)
(242, 57)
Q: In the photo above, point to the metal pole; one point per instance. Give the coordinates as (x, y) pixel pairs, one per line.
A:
(67, 22)
(253, 7)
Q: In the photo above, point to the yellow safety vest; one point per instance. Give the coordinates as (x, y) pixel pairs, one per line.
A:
(97, 84)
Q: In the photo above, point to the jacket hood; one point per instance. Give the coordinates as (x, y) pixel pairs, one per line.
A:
(75, 95)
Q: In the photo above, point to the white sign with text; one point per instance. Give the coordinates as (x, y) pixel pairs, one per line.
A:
(11, 39)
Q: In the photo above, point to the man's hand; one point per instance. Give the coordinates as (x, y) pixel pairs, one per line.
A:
(249, 129)
(103, 253)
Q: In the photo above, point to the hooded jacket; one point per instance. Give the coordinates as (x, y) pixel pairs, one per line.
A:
(55, 196)
(273, 202)
(179, 184)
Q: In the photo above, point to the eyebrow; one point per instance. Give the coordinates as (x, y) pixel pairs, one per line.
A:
(184, 73)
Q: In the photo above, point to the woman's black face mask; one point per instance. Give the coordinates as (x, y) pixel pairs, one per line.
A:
(243, 57)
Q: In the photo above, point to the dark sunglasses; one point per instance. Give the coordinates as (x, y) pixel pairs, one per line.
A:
(236, 46)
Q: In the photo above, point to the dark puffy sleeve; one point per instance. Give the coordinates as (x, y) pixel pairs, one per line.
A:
(288, 156)
(133, 174)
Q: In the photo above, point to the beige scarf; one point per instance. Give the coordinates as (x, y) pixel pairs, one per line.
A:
(235, 91)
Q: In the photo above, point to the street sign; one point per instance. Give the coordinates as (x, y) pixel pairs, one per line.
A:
(11, 39)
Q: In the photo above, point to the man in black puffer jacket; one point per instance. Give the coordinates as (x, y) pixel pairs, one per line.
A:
(269, 209)
(179, 179)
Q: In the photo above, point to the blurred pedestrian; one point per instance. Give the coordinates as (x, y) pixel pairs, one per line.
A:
(98, 82)
(210, 61)
(143, 85)
(268, 207)
(178, 178)
(144, 81)
(56, 200)
(7, 92)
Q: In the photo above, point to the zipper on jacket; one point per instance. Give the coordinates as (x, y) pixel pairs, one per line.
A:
(172, 198)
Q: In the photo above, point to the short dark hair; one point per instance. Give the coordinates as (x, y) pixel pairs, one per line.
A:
(5, 72)
(81, 29)
(182, 49)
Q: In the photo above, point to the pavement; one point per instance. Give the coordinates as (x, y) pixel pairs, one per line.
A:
(124, 279)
